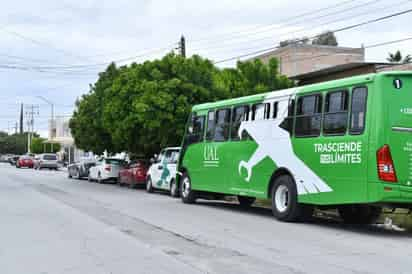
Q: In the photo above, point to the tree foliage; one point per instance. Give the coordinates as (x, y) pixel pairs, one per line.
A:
(13, 144)
(327, 38)
(397, 57)
(143, 107)
(38, 146)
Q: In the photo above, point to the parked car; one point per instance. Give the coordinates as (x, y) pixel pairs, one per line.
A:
(47, 160)
(162, 172)
(106, 170)
(80, 170)
(13, 160)
(25, 161)
(133, 174)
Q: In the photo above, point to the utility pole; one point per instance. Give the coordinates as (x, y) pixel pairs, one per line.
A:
(31, 111)
(182, 46)
(15, 128)
(21, 119)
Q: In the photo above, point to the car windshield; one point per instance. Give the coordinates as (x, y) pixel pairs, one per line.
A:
(50, 157)
(115, 162)
(25, 158)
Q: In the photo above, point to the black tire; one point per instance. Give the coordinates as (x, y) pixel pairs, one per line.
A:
(149, 185)
(359, 214)
(186, 193)
(99, 178)
(174, 189)
(288, 209)
(245, 201)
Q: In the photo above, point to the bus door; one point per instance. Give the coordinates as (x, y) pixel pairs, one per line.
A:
(397, 91)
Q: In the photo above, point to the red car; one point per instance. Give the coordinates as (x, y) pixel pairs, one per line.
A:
(25, 161)
(133, 174)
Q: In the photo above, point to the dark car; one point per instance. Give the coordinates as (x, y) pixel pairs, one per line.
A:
(80, 170)
(13, 160)
(25, 161)
(134, 174)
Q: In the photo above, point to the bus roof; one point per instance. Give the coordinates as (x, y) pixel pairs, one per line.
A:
(350, 81)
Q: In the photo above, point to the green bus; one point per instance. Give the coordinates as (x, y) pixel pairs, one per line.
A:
(344, 144)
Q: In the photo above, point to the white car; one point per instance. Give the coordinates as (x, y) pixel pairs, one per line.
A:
(106, 170)
(162, 172)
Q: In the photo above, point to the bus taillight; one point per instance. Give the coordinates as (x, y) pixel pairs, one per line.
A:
(386, 169)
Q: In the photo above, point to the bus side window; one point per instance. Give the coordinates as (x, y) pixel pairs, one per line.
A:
(222, 127)
(335, 119)
(195, 130)
(308, 116)
(258, 112)
(210, 132)
(358, 110)
(239, 114)
(275, 110)
(267, 111)
(287, 124)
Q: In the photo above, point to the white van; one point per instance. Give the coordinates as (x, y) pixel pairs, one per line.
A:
(162, 172)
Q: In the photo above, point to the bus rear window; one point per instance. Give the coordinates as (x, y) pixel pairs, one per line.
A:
(358, 110)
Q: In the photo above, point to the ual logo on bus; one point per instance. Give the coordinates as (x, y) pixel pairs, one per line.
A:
(210, 158)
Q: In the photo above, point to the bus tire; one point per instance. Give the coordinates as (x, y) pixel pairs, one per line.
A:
(186, 192)
(149, 185)
(285, 205)
(245, 201)
(174, 189)
(359, 214)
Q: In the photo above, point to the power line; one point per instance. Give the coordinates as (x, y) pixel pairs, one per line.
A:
(316, 36)
(310, 27)
(299, 16)
(282, 26)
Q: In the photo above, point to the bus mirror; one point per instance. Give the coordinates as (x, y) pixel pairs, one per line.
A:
(190, 130)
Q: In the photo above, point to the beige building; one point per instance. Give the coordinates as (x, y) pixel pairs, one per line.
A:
(296, 59)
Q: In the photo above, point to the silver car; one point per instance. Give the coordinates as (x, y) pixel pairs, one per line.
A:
(47, 160)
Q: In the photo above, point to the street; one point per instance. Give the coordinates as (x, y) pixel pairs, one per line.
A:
(51, 224)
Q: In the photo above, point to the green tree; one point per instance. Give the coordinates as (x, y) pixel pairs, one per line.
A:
(38, 146)
(398, 58)
(143, 107)
(327, 38)
(14, 144)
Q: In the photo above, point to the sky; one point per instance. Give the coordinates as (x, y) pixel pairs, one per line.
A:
(55, 49)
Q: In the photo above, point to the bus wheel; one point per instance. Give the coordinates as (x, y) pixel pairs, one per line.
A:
(174, 190)
(149, 185)
(285, 206)
(186, 192)
(245, 201)
(359, 214)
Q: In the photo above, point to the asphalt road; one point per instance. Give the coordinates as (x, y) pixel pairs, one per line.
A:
(50, 224)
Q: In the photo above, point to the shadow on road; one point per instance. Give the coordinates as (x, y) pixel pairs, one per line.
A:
(325, 222)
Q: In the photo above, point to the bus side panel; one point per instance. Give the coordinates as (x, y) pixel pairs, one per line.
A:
(193, 161)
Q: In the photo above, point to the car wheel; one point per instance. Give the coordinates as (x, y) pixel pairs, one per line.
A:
(99, 179)
(69, 175)
(359, 214)
(285, 206)
(186, 193)
(174, 190)
(245, 201)
(77, 175)
(149, 185)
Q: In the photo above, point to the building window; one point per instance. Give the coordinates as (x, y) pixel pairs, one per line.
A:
(239, 114)
(358, 110)
(308, 116)
(222, 126)
(335, 119)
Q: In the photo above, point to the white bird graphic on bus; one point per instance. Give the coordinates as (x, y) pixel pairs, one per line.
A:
(275, 142)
